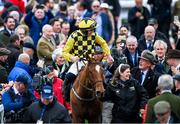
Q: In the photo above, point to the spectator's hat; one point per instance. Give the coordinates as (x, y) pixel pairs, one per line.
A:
(173, 54)
(22, 79)
(147, 55)
(104, 5)
(152, 21)
(4, 51)
(177, 76)
(161, 107)
(47, 92)
(29, 45)
(13, 8)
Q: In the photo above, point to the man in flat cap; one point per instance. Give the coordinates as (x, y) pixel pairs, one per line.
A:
(165, 85)
(144, 74)
(162, 110)
(177, 84)
(3, 65)
(173, 59)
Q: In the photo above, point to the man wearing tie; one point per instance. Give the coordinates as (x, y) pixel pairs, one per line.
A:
(144, 74)
(131, 51)
(160, 48)
(148, 40)
(58, 37)
(46, 44)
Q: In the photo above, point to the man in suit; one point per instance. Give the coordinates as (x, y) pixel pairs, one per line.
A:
(148, 40)
(132, 52)
(160, 48)
(159, 35)
(8, 30)
(105, 27)
(162, 109)
(144, 74)
(165, 84)
(58, 37)
(46, 44)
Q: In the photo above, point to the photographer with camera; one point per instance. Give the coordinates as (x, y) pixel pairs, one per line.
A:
(49, 76)
(16, 99)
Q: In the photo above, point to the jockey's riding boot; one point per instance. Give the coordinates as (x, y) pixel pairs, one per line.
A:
(67, 85)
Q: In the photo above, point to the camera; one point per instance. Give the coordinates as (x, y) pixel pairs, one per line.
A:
(41, 78)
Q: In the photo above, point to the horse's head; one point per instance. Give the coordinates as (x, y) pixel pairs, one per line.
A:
(96, 76)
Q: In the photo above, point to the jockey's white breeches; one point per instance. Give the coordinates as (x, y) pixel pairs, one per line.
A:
(76, 66)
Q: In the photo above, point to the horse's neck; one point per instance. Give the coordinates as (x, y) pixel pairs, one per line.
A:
(83, 75)
(82, 82)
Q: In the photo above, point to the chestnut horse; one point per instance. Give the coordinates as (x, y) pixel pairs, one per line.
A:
(86, 90)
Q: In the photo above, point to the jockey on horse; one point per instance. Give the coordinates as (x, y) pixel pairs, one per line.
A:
(80, 42)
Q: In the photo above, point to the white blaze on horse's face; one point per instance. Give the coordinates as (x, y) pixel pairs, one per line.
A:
(98, 68)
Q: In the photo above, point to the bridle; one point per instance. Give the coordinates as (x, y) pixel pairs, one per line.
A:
(87, 88)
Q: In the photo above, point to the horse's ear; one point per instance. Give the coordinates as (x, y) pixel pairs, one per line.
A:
(88, 56)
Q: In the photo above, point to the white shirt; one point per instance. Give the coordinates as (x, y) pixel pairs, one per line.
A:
(15, 90)
(149, 42)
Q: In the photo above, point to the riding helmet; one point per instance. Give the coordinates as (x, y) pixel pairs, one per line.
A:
(87, 23)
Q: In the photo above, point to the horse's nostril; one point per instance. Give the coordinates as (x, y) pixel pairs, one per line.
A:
(98, 94)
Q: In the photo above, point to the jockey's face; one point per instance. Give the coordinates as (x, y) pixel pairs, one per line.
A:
(98, 56)
(90, 32)
(87, 32)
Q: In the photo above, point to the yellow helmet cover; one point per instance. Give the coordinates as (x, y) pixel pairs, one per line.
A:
(87, 23)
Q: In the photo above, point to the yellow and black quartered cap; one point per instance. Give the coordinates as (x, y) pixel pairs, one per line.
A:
(87, 23)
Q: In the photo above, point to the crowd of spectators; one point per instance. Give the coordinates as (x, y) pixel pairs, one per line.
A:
(144, 77)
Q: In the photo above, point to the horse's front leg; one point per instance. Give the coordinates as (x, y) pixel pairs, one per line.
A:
(77, 119)
(97, 119)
